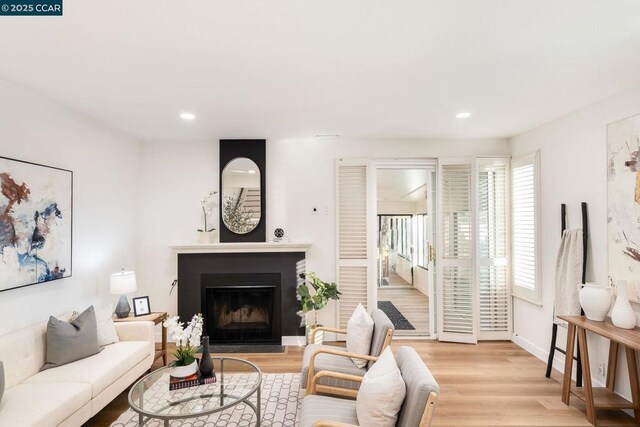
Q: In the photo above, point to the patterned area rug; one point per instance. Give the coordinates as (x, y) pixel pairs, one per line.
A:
(399, 321)
(281, 398)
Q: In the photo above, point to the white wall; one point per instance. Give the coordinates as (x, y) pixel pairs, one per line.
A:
(300, 176)
(104, 164)
(396, 208)
(573, 170)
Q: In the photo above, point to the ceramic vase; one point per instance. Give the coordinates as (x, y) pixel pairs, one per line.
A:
(622, 314)
(184, 371)
(206, 363)
(206, 237)
(595, 300)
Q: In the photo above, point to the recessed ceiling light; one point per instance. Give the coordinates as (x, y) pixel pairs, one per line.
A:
(326, 135)
(187, 116)
(463, 115)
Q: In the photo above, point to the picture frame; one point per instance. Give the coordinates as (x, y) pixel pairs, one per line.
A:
(38, 204)
(623, 203)
(141, 306)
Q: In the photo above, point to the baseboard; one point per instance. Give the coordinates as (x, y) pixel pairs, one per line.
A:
(558, 359)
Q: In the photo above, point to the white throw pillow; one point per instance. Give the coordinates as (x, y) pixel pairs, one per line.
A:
(359, 333)
(106, 328)
(381, 394)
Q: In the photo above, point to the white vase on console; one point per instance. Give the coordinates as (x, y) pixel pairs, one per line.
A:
(595, 300)
(622, 314)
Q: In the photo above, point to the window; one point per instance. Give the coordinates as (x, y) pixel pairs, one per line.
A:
(525, 235)
(422, 244)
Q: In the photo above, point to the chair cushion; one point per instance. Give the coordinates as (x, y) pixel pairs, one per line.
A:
(420, 383)
(99, 370)
(359, 332)
(316, 408)
(330, 362)
(381, 394)
(382, 326)
(68, 342)
(42, 404)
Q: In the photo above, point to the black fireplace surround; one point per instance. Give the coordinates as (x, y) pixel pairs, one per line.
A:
(245, 298)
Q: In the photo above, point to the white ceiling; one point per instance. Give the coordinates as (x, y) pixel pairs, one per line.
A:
(360, 68)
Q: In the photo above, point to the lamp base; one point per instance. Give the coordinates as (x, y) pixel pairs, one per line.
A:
(123, 309)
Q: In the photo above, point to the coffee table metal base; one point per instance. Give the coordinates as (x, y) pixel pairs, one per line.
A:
(245, 400)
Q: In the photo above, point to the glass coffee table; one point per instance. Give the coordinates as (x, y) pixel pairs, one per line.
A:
(238, 380)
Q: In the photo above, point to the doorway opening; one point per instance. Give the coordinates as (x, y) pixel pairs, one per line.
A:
(405, 273)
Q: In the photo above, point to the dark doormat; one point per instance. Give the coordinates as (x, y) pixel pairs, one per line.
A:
(246, 348)
(399, 321)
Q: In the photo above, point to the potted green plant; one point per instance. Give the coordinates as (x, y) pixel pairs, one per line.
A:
(316, 300)
(187, 343)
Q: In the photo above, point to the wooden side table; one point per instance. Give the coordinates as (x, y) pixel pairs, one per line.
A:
(601, 397)
(155, 317)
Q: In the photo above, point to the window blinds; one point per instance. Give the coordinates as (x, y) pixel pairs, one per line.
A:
(524, 226)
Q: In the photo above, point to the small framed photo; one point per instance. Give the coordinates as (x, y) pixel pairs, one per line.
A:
(141, 306)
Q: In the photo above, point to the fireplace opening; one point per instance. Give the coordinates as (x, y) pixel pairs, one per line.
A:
(241, 314)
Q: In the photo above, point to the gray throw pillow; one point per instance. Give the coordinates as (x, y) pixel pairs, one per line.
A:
(1, 380)
(67, 342)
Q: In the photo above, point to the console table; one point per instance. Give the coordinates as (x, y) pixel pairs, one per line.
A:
(601, 397)
(156, 317)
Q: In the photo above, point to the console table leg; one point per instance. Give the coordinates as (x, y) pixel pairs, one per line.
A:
(613, 364)
(568, 363)
(633, 379)
(588, 390)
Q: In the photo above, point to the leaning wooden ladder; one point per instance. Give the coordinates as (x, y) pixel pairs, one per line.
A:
(554, 331)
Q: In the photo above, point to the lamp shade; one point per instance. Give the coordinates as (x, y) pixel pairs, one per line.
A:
(123, 282)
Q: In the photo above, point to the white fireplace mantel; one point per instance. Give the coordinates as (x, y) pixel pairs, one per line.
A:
(222, 248)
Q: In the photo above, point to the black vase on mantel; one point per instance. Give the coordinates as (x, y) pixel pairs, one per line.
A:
(206, 364)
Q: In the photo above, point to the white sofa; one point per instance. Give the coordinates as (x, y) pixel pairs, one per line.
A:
(70, 394)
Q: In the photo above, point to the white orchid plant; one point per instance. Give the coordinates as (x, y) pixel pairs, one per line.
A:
(206, 204)
(187, 338)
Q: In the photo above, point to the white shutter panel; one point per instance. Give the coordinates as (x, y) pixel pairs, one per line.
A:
(493, 270)
(457, 297)
(525, 228)
(351, 215)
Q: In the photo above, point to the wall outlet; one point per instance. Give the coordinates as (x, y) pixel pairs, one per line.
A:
(326, 210)
(602, 369)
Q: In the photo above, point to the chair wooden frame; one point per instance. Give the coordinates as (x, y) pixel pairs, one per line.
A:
(425, 420)
(312, 338)
(311, 369)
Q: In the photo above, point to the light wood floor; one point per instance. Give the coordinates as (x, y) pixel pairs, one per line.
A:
(413, 304)
(489, 384)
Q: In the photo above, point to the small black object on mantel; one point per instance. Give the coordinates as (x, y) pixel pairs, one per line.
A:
(206, 364)
(279, 233)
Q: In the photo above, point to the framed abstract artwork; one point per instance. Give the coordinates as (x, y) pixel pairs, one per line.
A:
(36, 222)
(623, 203)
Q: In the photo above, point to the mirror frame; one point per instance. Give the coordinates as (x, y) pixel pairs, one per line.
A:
(255, 150)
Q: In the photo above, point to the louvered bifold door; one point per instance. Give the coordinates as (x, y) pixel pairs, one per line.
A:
(457, 306)
(494, 294)
(351, 229)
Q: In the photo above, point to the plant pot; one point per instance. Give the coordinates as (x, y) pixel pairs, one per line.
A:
(595, 301)
(184, 371)
(205, 237)
(319, 335)
(622, 314)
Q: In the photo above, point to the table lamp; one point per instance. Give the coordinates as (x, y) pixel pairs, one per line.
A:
(123, 283)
